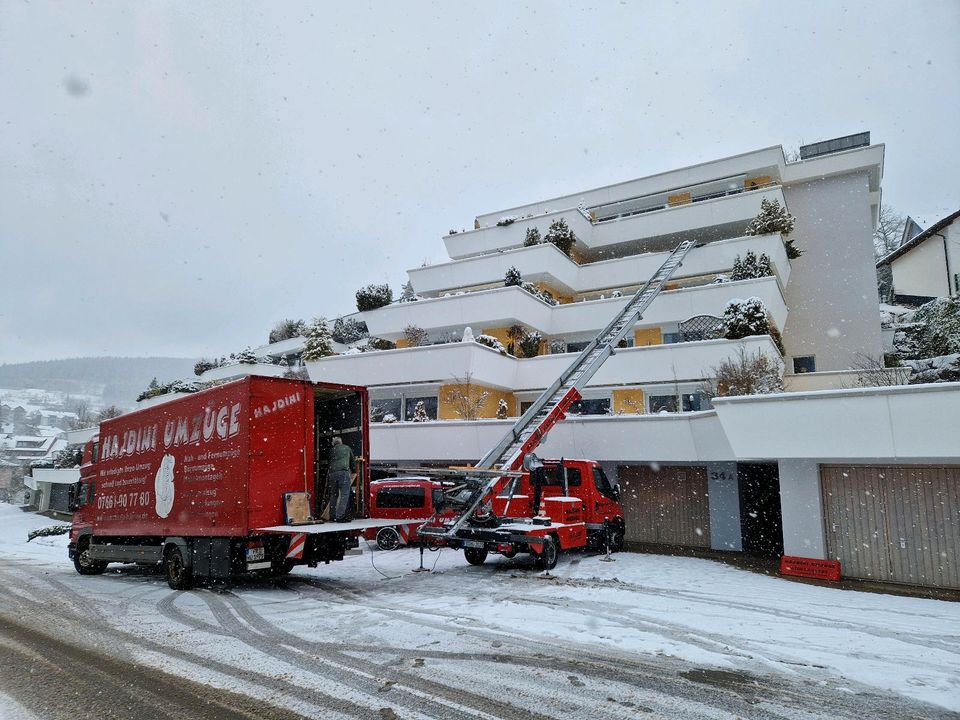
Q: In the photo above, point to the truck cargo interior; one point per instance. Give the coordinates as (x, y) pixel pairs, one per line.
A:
(336, 413)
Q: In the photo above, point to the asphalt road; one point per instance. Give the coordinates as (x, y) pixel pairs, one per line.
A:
(74, 646)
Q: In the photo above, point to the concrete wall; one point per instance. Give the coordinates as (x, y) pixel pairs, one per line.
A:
(802, 508)
(723, 489)
(922, 271)
(832, 294)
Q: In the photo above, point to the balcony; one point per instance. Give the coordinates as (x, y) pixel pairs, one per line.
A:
(545, 263)
(239, 370)
(438, 364)
(649, 230)
(907, 422)
(687, 437)
(505, 306)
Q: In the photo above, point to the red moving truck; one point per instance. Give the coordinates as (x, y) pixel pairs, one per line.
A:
(201, 485)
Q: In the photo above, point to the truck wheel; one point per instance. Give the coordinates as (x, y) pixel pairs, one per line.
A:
(179, 576)
(547, 559)
(616, 538)
(475, 556)
(84, 564)
(388, 538)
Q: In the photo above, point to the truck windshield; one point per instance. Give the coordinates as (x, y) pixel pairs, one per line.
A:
(553, 476)
(603, 483)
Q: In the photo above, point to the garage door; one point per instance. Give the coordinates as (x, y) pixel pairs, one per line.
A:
(668, 506)
(894, 523)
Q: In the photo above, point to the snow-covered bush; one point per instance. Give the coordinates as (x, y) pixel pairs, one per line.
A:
(420, 412)
(561, 235)
(540, 294)
(774, 218)
(745, 374)
(934, 331)
(203, 365)
(407, 293)
(531, 237)
(286, 329)
(616, 294)
(720, 279)
(558, 346)
(375, 343)
(389, 418)
(502, 410)
(348, 330)
(743, 318)
(372, 297)
(751, 267)
(507, 220)
(529, 344)
(945, 368)
(512, 277)
(246, 357)
(491, 342)
(155, 389)
(318, 339)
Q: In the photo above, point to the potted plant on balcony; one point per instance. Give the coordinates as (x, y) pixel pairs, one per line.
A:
(531, 237)
(560, 234)
(774, 218)
(372, 297)
(318, 341)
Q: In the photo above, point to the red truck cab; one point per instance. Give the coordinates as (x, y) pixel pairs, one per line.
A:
(403, 498)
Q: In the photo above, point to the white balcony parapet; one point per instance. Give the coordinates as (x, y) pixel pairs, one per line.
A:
(438, 364)
(764, 161)
(674, 437)
(708, 220)
(884, 423)
(505, 306)
(545, 263)
(844, 379)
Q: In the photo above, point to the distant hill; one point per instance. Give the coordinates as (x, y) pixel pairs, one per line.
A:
(117, 380)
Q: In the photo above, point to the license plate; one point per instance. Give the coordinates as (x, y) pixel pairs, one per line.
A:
(473, 543)
(255, 554)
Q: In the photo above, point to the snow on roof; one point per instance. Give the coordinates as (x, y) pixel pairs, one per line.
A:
(918, 239)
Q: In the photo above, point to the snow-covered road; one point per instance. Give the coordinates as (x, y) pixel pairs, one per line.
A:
(644, 636)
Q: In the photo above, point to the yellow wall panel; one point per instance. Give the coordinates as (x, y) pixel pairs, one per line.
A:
(448, 407)
(628, 401)
(643, 337)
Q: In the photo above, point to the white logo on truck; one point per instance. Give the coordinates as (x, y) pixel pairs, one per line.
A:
(163, 486)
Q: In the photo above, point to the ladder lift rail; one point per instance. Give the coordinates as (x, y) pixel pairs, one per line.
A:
(550, 408)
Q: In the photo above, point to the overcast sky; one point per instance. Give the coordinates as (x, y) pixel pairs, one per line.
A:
(176, 177)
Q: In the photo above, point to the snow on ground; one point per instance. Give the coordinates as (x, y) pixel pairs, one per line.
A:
(639, 608)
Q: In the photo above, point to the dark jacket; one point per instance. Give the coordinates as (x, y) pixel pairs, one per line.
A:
(341, 458)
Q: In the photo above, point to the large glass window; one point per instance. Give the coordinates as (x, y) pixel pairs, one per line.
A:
(429, 406)
(694, 402)
(590, 407)
(387, 410)
(553, 476)
(573, 347)
(804, 364)
(663, 403)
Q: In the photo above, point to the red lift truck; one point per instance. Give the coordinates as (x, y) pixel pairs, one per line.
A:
(223, 482)
(512, 502)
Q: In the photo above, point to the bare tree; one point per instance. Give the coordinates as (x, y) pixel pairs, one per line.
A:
(84, 415)
(873, 372)
(111, 411)
(745, 374)
(887, 236)
(467, 399)
(415, 336)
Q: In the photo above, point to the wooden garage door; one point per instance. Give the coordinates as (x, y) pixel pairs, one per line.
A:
(668, 506)
(894, 523)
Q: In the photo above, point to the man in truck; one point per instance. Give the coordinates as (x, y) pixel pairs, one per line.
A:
(340, 475)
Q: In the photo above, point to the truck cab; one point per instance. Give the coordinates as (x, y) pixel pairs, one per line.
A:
(84, 506)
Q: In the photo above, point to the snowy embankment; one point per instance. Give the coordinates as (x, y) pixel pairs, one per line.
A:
(638, 609)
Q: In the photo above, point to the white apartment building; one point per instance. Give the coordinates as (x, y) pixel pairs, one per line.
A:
(753, 475)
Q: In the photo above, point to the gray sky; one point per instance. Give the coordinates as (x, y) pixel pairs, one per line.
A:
(174, 178)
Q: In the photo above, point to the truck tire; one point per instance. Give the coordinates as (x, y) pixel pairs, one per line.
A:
(616, 537)
(388, 538)
(547, 559)
(475, 556)
(84, 564)
(179, 576)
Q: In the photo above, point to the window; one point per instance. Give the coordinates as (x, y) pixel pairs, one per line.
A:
(577, 346)
(663, 403)
(379, 409)
(553, 476)
(804, 364)
(672, 337)
(401, 497)
(603, 484)
(694, 402)
(590, 407)
(429, 404)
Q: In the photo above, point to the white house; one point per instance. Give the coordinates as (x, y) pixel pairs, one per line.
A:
(927, 266)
